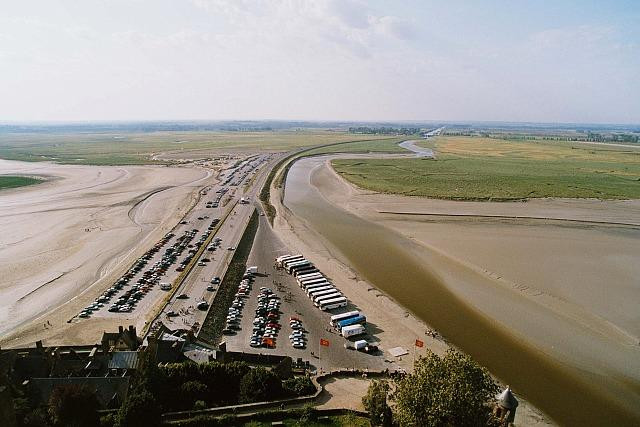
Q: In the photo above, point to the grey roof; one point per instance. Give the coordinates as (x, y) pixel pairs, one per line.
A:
(124, 360)
(107, 388)
(507, 400)
(199, 354)
(169, 337)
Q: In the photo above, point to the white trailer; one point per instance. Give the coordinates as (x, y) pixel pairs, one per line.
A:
(306, 283)
(319, 299)
(333, 304)
(352, 331)
(313, 291)
(281, 259)
(252, 270)
(316, 285)
(309, 276)
(322, 291)
(360, 344)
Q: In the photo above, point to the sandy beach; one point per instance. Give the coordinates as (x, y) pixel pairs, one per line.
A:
(65, 240)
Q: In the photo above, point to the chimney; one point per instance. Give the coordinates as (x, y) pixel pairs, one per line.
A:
(132, 331)
(120, 329)
(39, 344)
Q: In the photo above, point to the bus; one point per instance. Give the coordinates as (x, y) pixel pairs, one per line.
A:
(362, 320)
(332, 304)
(296, 264)
(291, 262)
(325, 293)
(282, 259)
(314, 291)
(306, 283)
(318, 300)
(293, 269)
(333, 321)
(309, 276)
(308, 270)
(310, 286)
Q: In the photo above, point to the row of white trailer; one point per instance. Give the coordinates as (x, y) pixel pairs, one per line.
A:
(323, 294)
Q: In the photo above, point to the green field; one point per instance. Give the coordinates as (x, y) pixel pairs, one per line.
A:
(9, 181)
(387, 145)
(137, 148)
(486, 169)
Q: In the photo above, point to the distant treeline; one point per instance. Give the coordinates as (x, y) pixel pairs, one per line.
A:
(384, 130)
(578, 137)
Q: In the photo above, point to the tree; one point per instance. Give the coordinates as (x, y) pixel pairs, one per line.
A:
(375, 403)
(298, 386)
(140, 409)
(258, 385)
(447, 391)
(192, 391)
(74, 405)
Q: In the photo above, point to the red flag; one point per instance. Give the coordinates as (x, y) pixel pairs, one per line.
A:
(324, 342)
(419, 343)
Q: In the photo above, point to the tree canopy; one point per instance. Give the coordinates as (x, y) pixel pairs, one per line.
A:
(260, 384)
(444, 391)
(74, 405)
(375, 402)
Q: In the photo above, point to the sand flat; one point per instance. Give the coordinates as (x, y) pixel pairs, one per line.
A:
(60, 238)
(597, 347)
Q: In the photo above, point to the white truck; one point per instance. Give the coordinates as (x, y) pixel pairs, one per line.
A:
(352, 331)
(252, 270)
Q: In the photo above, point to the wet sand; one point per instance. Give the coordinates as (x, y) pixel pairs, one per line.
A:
(394, 323)
(587, 351)
(64, 241)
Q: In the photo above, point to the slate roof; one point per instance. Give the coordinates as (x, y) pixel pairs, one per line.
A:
(124, 360)
(109, 390)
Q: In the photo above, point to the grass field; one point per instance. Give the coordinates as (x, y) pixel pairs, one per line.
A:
(9, 181)
(488, 169)
(388, 145)
(137, 148)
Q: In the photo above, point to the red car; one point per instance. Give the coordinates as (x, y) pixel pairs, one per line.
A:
(274, 325)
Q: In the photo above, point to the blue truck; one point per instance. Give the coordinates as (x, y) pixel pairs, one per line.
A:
(362, 319)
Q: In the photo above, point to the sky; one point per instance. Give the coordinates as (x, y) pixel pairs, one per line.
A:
(532, 61)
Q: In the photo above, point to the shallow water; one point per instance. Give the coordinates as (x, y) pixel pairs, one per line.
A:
(389, 261)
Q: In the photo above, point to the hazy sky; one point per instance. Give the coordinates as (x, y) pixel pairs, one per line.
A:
(556, 61)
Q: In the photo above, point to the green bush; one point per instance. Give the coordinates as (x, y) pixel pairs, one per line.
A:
(259, 385)
(298, 386)
(140, 409)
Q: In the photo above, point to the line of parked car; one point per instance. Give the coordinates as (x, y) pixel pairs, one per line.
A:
(216, 202)
(193, 247)
(265, 324)
(235, 311)
(297, 337)
(128, 300)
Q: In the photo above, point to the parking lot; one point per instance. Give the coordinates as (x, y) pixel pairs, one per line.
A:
(293, 303)
(145, 285)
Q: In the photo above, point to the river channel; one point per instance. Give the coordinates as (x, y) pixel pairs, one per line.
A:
(391, 262)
